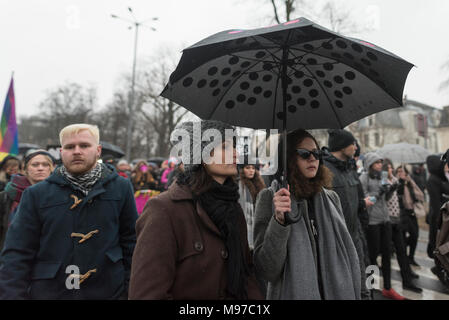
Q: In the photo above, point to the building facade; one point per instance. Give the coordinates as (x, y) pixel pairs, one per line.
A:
(414, 123)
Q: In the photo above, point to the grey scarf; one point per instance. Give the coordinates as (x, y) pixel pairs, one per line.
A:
(339, 263)
(84, 182)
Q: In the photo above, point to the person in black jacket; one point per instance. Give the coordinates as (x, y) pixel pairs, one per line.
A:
(438, 192)
(409, 193)
(438, 189)
(419, 175)
(345, 182)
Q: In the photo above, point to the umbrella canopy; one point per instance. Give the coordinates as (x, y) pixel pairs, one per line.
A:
(404, 153)
(24, 147)
(288, 76)
(157, 160)
(111, 149)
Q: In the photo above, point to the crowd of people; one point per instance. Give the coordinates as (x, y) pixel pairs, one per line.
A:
(91, 229)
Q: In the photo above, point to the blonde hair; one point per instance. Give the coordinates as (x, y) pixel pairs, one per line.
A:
(50, 162)
(76, 128)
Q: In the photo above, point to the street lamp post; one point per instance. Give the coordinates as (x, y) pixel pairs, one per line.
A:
(131, 99)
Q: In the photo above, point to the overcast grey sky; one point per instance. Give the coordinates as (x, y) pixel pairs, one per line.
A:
(50, 42)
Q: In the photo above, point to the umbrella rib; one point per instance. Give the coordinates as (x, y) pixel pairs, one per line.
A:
(322, 56)
(275, 97)
(283, 83)
(337, 61)
(305, 53)
(258, 61)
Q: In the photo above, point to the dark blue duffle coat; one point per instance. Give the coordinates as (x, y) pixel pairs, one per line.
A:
(54, 233)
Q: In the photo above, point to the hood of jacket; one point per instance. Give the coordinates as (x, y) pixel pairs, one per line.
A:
(370, 158)
(435, 166)
(339, 164)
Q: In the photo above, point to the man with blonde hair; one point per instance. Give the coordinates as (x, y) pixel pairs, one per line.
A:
(73, 234)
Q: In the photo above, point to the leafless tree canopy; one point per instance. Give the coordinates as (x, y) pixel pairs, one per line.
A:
(329, 13)
(155, 117)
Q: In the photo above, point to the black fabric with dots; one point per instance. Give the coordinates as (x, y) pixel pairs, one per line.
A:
(236, 76)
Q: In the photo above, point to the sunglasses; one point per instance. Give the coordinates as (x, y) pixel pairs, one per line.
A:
(305, 154)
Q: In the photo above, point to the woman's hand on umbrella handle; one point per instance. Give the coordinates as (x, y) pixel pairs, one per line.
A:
(282, 203)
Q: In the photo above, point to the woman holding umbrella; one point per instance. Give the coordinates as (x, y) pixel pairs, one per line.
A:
(315, 257)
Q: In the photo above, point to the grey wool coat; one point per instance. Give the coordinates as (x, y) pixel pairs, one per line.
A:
(286, 256)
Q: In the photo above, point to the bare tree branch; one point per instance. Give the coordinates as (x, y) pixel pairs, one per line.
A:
(276, 16)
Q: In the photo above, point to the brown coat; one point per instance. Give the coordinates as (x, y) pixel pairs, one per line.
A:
(179, 252)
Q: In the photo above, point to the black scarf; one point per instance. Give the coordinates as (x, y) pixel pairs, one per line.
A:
(221, 204)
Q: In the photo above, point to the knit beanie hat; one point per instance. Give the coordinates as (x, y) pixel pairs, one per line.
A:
(339, 139)
(32, 153)
(191, 138)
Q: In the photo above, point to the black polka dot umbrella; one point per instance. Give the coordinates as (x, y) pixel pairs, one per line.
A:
(288, 76)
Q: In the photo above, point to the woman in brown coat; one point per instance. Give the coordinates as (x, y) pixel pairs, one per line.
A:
(191, 240)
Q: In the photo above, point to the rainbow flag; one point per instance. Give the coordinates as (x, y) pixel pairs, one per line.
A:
(9, 139)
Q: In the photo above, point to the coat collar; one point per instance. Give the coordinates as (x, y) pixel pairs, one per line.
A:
(178, 192)
(339, 164)
(108, 174)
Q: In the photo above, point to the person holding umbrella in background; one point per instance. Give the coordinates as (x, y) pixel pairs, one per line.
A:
(342, 146)
(394, 210)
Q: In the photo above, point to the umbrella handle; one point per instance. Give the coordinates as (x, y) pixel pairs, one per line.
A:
(289, 218)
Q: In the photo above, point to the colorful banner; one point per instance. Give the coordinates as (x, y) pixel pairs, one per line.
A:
(9, 139)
